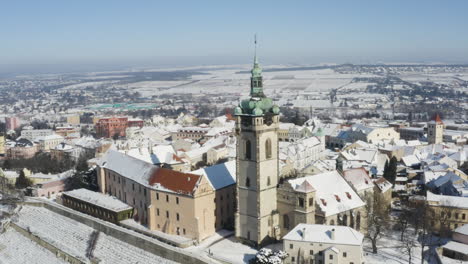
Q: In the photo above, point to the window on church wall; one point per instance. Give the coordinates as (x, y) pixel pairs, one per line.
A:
(311, 201)
(247, 182)
(268, 148)
(248, 149)
(301, 202)
(268, 181)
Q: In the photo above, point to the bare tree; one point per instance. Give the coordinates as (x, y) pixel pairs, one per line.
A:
(408, 243)
(404, 221)
(377, 217)
(423, 221)
(443, 217)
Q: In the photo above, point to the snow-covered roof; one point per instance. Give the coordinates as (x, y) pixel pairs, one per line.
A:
(286, 126)
(343, 235)
(10, 174)
(448, 201)
(99, 199)
(63, 147)
(333, 194)
(449, 176)
(457, 247)
(410, 160)
(127, 166)
(40, 175)
(462, 230)
(49, 137)
(359, 178)
(220, 175)
(383, 184)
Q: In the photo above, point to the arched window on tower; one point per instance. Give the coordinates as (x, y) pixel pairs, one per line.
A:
(268, 148)
(247, 182)
(268, 181)
(286, 221)
(248, 149)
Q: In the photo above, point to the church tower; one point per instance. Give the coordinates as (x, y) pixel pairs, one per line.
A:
(257, 122)
(435, 130)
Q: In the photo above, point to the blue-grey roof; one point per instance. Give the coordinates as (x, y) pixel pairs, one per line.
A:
(220, 175)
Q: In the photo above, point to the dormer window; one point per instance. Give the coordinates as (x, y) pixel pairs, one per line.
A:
(324, 202)
(337, 198)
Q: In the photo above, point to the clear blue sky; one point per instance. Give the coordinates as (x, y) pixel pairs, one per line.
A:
(217, 32)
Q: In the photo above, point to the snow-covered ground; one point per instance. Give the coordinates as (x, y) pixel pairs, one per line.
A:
(229, 250)
(17, 249)
(73, 238)
(224, 247)
(392, 251)
(137, 226)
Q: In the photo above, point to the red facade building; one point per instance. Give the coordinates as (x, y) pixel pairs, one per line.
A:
(115, 126)
(12, 123)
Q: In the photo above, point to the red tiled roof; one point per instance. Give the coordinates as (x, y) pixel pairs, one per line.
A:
(177, 158)
(230, 117)
(437, 119)
(174, 180)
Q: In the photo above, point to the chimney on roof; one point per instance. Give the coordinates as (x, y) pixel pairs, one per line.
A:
(332, 234)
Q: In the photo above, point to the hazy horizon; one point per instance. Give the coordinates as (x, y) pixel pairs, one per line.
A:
(54, 36)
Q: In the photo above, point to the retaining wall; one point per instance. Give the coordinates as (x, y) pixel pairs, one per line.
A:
(135, 239)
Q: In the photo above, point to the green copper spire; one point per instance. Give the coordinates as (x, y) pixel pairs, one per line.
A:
(258, 104)
(256, 82)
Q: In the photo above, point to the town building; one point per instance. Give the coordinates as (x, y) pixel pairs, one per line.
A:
(412, 133)
(68, 132)
(367, 134)
(99, 205)
(323, 244)
(21, 149)
(324, 198)
(2, 145)
(51, 187)
(447, 212)
(46, 143)
(11, 123)
(33, 134)
(73, 119)
(169, 201)
(197, 133)
(111, 127)
(457, 248)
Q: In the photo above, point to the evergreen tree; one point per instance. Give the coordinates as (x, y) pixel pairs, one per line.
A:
(385, 171)
(390, 170)
(22, 182)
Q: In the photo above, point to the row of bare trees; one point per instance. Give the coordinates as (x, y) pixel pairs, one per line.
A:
(417, 221)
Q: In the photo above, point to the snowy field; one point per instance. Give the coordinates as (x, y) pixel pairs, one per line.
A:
(73, 238)
(231, 81)
(17, 249)
(440, 78)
